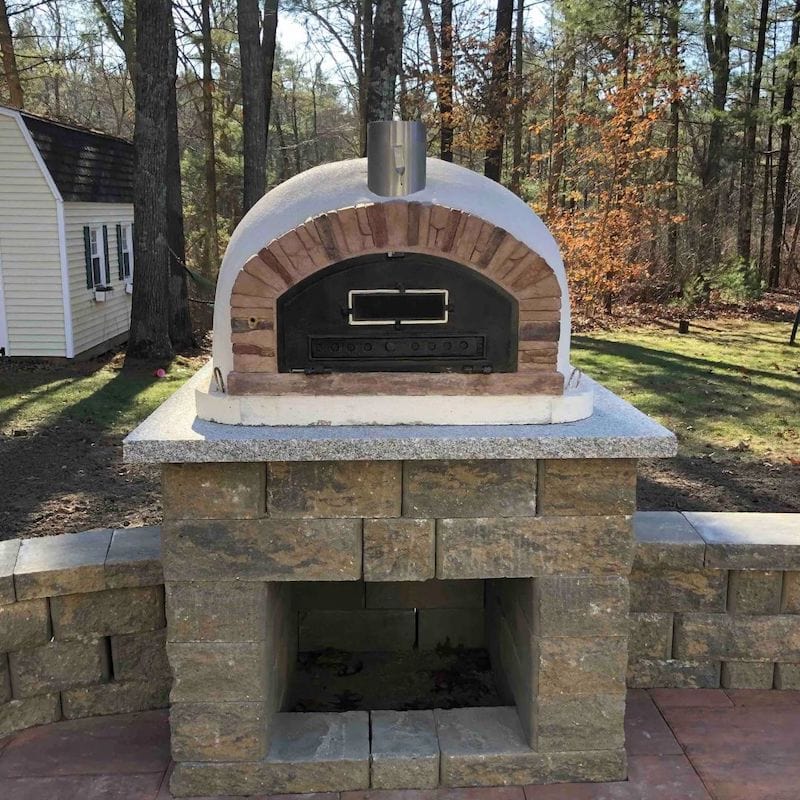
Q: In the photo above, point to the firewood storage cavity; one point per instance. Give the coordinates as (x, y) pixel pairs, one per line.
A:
(397, 524)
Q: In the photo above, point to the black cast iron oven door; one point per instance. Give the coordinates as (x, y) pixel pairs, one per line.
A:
(397, 312)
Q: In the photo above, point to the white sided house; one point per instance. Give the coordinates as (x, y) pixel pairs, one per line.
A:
(66, 238)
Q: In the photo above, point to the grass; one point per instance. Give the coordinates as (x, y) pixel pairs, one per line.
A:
(728, 384)
(36, 395)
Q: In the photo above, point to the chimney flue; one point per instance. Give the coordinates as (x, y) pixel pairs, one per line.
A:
(396, 153)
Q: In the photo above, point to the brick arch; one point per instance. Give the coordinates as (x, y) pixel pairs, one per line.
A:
(397, 225)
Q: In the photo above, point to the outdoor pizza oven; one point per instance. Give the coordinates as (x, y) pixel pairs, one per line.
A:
(382, 569)
(401, 289)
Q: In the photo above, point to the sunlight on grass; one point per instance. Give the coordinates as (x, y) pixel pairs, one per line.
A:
(106, 395)
(731, 384)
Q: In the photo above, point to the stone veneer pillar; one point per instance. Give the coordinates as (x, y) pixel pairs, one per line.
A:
(553, 539)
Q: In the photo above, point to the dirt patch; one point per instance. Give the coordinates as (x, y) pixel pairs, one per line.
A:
(717, 483)
(70, 477)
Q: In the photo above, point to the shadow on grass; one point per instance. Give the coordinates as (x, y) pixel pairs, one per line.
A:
(681, 369)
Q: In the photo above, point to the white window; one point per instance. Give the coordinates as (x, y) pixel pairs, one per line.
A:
(97, 255)
(126, 252)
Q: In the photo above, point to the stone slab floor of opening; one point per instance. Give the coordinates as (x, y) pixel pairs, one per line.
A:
(683, 744)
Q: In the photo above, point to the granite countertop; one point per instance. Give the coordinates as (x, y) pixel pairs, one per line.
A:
(174, 434)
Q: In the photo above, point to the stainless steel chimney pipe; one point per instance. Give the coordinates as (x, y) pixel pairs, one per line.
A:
(396, 158)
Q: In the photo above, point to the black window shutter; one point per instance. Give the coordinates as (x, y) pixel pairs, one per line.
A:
(120, 265)
(105, 253)
(87, 254)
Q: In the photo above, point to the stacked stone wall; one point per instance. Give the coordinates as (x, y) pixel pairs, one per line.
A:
(82, 627)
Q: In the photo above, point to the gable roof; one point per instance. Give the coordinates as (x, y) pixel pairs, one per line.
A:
(85, 165)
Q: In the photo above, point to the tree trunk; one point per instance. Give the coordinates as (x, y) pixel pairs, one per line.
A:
(446, 83)
(673, 137)
(149, 332)
(254, 120)
(559, 121)
(745, 230)
(497, 107)
(781, 176)
(385, 59)
(211, 260)
(10, 71)
(180, 323)
(519, 100)
(718, 45)
(268, 39)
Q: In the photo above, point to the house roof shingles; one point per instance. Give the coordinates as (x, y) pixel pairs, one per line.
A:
(86, 166)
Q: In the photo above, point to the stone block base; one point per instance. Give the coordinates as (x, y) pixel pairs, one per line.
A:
(395, 750)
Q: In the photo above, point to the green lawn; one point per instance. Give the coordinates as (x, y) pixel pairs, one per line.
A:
(33, 396)
(728, 384)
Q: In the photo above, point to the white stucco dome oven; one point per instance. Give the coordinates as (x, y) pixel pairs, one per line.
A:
(337, 305)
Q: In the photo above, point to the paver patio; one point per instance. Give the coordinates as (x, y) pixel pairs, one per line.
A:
(683, 744)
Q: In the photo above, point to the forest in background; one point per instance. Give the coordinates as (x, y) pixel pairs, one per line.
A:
(655, 137)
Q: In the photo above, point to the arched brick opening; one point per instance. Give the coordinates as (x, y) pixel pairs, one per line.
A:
(404, 226)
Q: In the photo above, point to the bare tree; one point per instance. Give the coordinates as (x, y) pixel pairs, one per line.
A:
(149, 332)
(10, 71)
(748, 173)
(497, 106)
(210, 205)
(446, 83)
(257, 52)
(387, 44)
(519, 99)
(781, 176)
(718, 48)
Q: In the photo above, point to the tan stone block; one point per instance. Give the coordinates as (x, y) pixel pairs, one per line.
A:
(5, 680)
(650, 636)
(502, 488)
(24, 624)
(268, 550)
(118, 697)
(9, 550)
(134, 558)
(141, 657)
(250, 286)
(63, 564)
(213, 491)
(361, 630)
(736, 637)
(264, 272)
(312, 489)
(110, 612)
(58, 665)
(218, 672)
(580, 722)
(678, 590)
(673, 673)
(747, 674)
(593, 486)
(581, 666)
(754, 592)
(217, 611)
(399, 549)
(453, 627)
(533, 546)
(787, 676)
(425, 594)
(404, 750)
(20, 714)
(582, 606)
(263, 361)
(790, 601)
(219, 731)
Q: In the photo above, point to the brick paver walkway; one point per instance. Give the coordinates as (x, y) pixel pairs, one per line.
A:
(687, 744)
